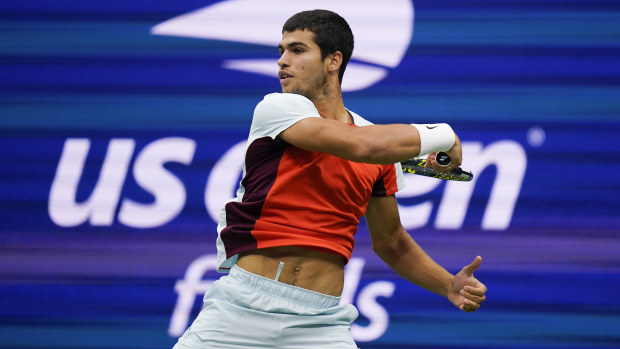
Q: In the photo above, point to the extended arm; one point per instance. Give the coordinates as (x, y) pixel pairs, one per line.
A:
(380, 144)
(397, 248)
(375, 144)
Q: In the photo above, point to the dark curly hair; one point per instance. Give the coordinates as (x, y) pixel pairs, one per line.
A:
(331, 33)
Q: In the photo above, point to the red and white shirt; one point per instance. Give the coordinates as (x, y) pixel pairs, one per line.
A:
(292, 197)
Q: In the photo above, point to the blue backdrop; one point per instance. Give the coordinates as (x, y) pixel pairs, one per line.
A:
(119, 139)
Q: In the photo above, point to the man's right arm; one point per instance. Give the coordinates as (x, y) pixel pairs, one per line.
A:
(377, 144)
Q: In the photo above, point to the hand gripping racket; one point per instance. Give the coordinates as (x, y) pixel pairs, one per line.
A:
(416, 166)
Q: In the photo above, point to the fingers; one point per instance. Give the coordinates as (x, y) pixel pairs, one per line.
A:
(431, 161)
(473, 297)
(474, 294)
(469, 270)
(478, 291)
(469, 306)
(430, 158)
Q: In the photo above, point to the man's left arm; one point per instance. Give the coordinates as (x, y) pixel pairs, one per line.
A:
(397, 248)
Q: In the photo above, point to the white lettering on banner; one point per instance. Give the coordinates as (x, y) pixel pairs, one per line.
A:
(151, 175)
(188, 288)
(509, 157)
(511, 162)
(148, 171)
(367, 304)
(192, 286)
(101, 204)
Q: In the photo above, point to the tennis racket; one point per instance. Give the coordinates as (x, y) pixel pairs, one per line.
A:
(416, 166)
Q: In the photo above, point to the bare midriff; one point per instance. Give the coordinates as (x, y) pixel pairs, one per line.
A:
(313, 270)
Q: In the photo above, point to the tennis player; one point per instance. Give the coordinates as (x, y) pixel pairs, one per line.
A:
(312, 169)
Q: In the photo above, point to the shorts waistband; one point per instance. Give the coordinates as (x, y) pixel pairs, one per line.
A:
(281, 290)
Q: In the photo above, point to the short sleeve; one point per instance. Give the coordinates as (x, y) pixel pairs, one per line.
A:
(279, 111)
(390, 182)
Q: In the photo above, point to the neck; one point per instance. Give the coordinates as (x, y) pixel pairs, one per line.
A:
(331, 106)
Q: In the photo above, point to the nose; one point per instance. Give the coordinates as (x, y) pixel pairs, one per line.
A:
(283, 60)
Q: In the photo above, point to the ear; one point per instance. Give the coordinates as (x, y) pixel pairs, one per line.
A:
(333, 61)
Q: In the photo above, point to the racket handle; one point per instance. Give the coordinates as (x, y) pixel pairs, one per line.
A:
(443, 159)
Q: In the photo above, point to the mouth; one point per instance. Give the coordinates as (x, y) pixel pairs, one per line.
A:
(284, 76)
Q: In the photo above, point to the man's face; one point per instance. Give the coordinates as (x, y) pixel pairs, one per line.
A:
(301, 69)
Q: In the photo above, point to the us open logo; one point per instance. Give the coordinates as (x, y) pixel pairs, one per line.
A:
(382, 30)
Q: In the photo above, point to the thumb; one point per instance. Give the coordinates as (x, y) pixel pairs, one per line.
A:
(469, 270)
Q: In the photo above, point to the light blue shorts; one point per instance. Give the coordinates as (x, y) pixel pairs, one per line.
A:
(245, 310)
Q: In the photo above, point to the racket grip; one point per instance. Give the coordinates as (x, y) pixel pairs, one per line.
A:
(443, 159)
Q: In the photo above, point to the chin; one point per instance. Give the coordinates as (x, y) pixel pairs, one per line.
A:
(298, 91)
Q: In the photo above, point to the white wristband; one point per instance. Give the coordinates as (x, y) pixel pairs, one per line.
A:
(435, 137)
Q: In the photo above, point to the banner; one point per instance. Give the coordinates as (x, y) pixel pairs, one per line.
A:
(122, 127)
